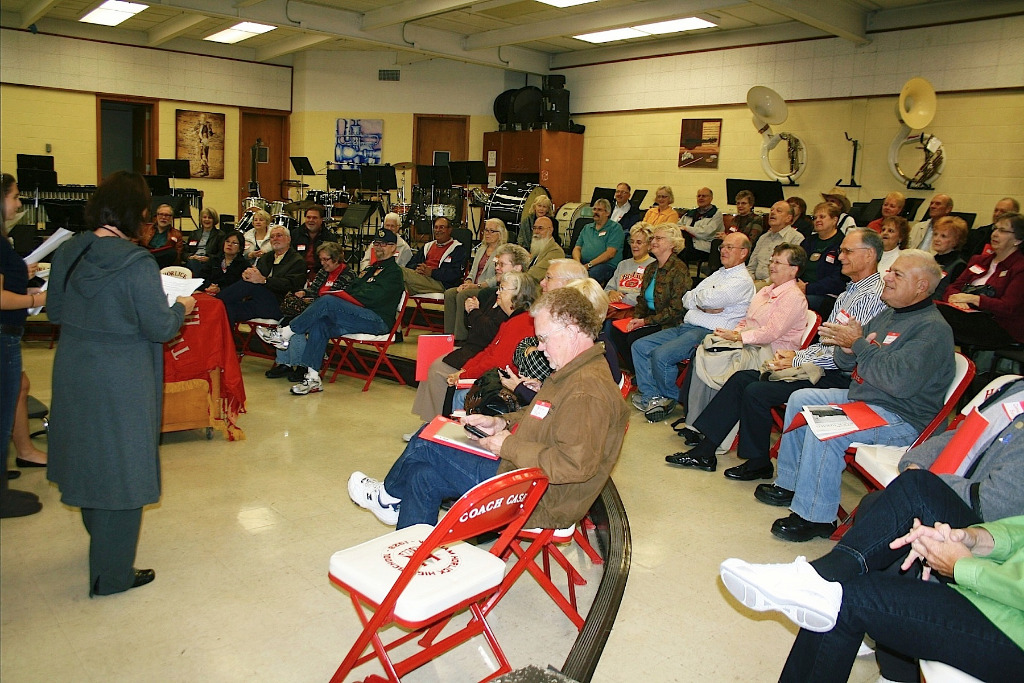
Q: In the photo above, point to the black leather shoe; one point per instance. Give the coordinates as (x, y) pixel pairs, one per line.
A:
(744, 472)
(278, 371)
(13, 474)
(796, 528)
(770, 494)
(17, 506)
(297, 374)
(28, 463)
(708, 464)
(691, 437)
(143, 576)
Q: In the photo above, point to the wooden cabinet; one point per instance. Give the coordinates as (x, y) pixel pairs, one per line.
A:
(553, 159)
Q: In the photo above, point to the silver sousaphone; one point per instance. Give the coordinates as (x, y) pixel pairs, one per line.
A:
(770, 109)
(916, 109)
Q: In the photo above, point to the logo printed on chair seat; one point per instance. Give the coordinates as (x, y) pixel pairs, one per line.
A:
(441, 561)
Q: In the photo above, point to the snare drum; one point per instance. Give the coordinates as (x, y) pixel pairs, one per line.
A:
(401, 209)
(512, 200)
(284, 220)
(254, 203)
(318, 197)
(275, 208)
(435, 210)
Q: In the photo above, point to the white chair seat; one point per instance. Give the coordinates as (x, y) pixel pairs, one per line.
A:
(263, 321)
(937, 672)
(881, 462)
(362, 337)
(456, 573)
(430, 296)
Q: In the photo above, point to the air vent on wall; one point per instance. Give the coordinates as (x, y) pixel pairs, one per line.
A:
(389, 75)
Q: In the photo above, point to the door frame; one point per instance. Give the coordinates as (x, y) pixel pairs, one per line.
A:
(151, 141)
(416, 118)
(245, 161)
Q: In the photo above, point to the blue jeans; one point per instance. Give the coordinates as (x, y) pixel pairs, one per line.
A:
(602, 272)
(813, 469)
(656, 355)
(330, 316)
(428, 473)
(10, 386)
(245, 301)
(293, 354)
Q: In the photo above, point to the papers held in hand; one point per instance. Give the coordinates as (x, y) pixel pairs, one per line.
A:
(450, 433)
(176, 286)
(834, 420)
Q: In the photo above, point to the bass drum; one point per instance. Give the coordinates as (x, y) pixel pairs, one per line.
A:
(285, 221)
(569, 214)
(512, 200)
(245, 223)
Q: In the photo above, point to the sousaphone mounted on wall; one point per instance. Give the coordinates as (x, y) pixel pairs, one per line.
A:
(916, 109)
(770, 109)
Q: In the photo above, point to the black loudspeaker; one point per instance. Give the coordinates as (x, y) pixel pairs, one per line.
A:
(554, 82)
(556, 109)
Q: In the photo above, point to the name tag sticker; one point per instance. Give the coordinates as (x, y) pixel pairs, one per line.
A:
(890, 338)
(1003, 274)
(300, 247)
(540, 410)
(193, 243)
(1013, 408)
(831, 258)
(602, 234)
(640, 270)
(976, 269)
(842, 317)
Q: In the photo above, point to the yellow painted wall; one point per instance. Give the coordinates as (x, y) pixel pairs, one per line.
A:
(32, 117)
(981, 133)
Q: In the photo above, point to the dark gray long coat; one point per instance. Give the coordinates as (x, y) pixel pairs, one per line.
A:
(107, 373)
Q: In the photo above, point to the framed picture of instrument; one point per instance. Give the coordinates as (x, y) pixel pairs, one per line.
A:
(199, 138)
(358, 142)
(699, 142)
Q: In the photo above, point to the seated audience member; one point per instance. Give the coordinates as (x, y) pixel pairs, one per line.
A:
(978, 238)
(701, 224)
(511, 258)
(892, 205)
(481, 276)
(257, 238)
(775, 321)
(948, 238)
(838, 197)
(662, 211)
(744, 220)
(430, 394)
(264, 284)
(822, 278)
(720, 300)
(572, 430)
(204, 242)
(439, 264)
(162, 239)
(662, 286)
(333, 276)
(904, 365)
(543, 248)
(894, 233)
(921, 233)
(368, 306)
(623, 212)
(516, 293)
(802, 222)
(392, 222)
(541, 208)
(747, 399)
(991, 289)
(624, 285)
(971, 619)
(599, 246)
(780, 231)
(310, 235)
(225, 268)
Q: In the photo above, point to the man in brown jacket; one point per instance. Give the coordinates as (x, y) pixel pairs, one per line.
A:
(572, 430)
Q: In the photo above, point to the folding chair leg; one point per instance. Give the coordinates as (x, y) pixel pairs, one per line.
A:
(580, 536)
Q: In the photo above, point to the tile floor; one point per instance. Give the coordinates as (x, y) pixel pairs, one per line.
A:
(241, 538)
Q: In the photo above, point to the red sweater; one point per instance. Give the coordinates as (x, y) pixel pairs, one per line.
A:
(499, 352)
(1007, 306)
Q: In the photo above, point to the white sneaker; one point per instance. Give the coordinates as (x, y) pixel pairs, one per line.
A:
(275, 336)
(408, 436)
(309, 385)
(365, 492)
(794, 589)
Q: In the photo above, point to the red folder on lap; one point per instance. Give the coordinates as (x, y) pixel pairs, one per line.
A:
(844, 418)
(450, 433)
(430, 347)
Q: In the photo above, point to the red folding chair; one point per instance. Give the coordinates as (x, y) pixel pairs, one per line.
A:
(418, 578)
(246, 338)
(423, 318)
(351, 363)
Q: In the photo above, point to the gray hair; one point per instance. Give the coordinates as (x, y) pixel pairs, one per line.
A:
(571, 269)
(519, 256)
(605, 203)
(869, 238)
(925, 264)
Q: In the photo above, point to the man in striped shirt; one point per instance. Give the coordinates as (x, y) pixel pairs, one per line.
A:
(749, 400)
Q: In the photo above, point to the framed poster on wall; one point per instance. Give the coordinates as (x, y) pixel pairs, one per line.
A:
(358, 142)
(199, 138)
(699, 142)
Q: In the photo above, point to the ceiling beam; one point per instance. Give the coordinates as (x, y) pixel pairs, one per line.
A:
(570, 25)
(837, 18)
(289, 45)
(941, 13)
(35, 11)
(410, 10)
(246, 3)
(172, 28)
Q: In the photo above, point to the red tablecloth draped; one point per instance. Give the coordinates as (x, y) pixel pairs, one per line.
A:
(203, 344)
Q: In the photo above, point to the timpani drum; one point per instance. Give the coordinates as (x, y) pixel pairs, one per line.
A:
(512, 200)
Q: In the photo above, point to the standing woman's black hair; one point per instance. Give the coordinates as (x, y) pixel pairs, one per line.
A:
(121, 201)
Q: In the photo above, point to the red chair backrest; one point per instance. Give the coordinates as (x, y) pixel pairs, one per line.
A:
(811, 329)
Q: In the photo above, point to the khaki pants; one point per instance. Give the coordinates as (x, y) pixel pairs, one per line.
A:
(420, 284)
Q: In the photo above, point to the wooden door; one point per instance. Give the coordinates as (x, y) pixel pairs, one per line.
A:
(271, 129)
(438, 133)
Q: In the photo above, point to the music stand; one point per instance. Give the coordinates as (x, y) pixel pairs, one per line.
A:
(380, 178)
(468, 172)
(343, 179)
(766, 192)
(38, 162)
(603, 193)
(177, 202)
(67, 215)
(36, 180)
(302, 166)
(159, 185)
(636, 201)
(173, 168)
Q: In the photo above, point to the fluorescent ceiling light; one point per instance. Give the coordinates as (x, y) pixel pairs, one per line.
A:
(565, 3)
(239, 32)
(644, 30)
(113, 12)
(675, 26)
(609, 36)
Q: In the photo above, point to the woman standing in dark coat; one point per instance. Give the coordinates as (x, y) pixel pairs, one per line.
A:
(105, 292)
